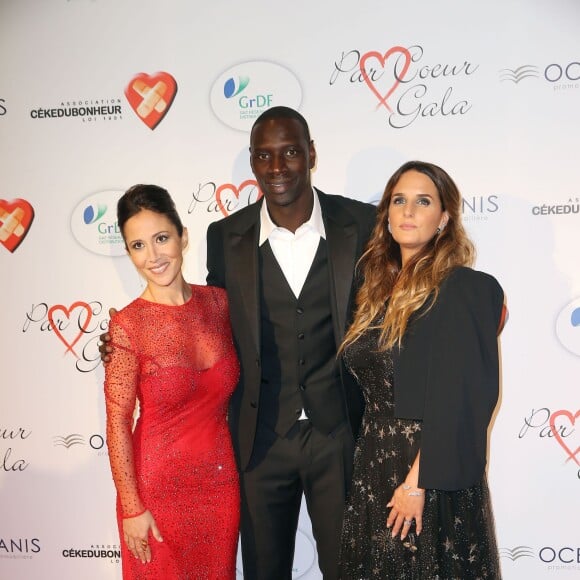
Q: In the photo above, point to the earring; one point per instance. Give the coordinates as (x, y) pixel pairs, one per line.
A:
(440, 228)
(389, 227)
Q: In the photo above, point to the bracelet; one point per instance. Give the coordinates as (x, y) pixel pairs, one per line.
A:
(135, 515)
(416, 493)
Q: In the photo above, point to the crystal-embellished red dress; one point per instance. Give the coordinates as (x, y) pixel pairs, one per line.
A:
(180, 364)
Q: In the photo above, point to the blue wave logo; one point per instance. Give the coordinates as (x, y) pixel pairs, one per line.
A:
(94, 213)
(568, 327)
(516, 553)
(519, 74)
(94, 225)
(231, 88)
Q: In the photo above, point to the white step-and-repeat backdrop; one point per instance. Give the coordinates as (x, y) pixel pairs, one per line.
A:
(97, 95)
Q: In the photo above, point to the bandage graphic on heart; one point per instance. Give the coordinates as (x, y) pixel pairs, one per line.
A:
(15, 219)
(151, 96)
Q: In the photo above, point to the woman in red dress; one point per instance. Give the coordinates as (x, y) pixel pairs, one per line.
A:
(173, 353)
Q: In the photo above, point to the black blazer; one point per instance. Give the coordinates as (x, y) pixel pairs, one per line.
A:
(232, 263)
(447, 375)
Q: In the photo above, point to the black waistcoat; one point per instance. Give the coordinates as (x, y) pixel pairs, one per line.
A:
(299, 367)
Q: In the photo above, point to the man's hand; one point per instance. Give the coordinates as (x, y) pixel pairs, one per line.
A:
(104, 348)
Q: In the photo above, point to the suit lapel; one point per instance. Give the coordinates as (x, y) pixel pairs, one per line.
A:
(243, 253)
(342, 238)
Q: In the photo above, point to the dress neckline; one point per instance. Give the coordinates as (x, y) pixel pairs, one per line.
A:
(169, 305)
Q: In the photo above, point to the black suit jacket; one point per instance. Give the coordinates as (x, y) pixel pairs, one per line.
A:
(447, 375)
(232, 263)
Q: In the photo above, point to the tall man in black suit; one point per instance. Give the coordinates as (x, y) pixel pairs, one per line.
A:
(287, 263)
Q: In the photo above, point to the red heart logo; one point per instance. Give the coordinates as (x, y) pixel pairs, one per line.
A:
(151, 96)
(82, 326)
(15, 219)
(572, 418)
(382, 58)
(236, 191)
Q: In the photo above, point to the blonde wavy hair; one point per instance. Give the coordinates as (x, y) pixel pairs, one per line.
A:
(407, 289)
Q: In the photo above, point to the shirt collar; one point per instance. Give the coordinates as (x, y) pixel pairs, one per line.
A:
(315, 222)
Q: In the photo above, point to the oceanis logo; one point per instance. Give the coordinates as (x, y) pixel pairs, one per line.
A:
(479, 207)
(556, 558)
(516, 75)
(560, 76)
(19, 548)
(516, 553)
(68, 441)
(94, 441)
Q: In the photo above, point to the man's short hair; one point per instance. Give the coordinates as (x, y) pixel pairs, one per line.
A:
(281, 112)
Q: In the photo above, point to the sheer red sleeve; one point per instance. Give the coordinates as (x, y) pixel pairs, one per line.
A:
(503, 319)
(121, 381)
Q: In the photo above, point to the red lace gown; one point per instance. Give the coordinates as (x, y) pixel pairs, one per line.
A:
(180, 364)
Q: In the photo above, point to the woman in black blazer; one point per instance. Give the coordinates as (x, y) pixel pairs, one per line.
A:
(423, 347)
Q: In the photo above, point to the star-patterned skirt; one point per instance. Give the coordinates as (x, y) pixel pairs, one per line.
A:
(458, 537)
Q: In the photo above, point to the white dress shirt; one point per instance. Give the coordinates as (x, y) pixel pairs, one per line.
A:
(294, 252)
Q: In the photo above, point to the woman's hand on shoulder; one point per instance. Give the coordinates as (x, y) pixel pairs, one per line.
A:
(136, 534)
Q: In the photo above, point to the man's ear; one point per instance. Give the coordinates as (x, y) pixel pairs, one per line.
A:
(311, 155)
(251, 160)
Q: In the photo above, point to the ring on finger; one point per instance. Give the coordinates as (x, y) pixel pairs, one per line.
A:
(408, 522)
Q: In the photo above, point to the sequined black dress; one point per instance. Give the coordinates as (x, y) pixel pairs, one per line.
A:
(457, 541)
